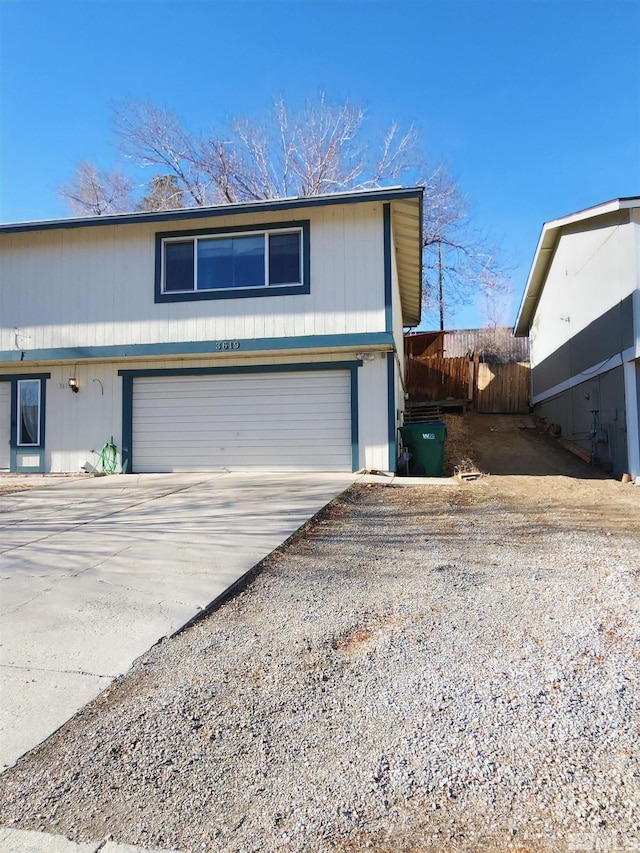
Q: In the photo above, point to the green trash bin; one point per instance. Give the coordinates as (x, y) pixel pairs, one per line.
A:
(425, 443)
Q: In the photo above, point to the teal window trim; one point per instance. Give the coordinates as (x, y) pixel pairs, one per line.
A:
(10, 377)
(127, 422)
(129, 375)
(16, 450)
(304, 287)
(355, 439)
(391, 403)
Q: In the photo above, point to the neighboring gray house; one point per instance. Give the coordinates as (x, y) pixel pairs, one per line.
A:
(581, 310)
(262, 336)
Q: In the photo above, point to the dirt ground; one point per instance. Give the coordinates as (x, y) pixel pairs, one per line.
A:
(525, 464)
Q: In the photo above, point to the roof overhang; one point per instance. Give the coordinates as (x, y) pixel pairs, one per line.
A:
(390, 194)
(406, 219)
(547, 244)
(406, 212)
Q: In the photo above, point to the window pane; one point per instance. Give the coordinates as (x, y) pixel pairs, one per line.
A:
(28, 411)
(284, 258)
(231, 262)
(248, 257)
(178, 266)
(215, 264)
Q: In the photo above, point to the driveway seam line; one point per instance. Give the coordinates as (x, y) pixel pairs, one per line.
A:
(58, 671)
(67, 577)
(80, 524)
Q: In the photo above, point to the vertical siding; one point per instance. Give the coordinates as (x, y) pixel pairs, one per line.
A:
(631, 372)
(398, 328)
(94, 286)
(397, 404)
(373, 414)
(77, 424)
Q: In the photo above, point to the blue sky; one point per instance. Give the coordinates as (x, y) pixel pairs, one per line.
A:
(534, 104)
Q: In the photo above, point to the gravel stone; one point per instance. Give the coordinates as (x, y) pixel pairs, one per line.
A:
(425, 669)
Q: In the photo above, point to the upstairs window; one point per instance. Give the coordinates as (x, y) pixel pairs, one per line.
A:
(224, 264)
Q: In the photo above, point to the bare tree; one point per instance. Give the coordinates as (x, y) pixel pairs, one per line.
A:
(163, 194)
(459, 262)
(151, 136)
(94, 193)
(495, 293)
(321, 148)
(445, 243)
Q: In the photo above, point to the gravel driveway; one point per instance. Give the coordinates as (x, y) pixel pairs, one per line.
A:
(424, 669)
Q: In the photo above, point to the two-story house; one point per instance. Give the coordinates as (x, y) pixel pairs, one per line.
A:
(262, 336)
(581, 310)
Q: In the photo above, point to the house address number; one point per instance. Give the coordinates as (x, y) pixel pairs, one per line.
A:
(220, 345)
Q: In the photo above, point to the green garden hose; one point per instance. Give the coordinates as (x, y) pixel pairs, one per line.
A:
(108, 458)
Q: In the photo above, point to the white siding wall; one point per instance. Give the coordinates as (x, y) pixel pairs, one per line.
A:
(372, 414)
(95, 286)
(77, 424)
(591, 272)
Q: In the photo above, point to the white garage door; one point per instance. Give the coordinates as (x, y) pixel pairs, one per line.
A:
(298, 421)
(5, 424)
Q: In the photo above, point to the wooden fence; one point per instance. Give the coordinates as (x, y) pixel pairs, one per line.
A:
(436, 378)
(493, 388)
(502, 388)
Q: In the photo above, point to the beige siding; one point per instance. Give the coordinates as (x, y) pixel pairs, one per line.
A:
(95, 286)
(79, 424)
(372, 413)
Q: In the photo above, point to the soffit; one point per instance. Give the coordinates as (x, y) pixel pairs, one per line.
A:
(406, 220)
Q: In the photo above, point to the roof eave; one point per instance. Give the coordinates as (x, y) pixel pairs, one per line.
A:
(409, 252)
(549, 237)
(291, 203)
(407, 224)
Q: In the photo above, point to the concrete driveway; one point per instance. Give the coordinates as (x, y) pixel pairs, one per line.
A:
(94, 571)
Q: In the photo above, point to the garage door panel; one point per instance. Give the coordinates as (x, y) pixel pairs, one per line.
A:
(270, 410)
(287, 421)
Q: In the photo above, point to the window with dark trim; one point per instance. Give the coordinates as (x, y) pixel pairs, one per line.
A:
(227, 264)
(28, 408)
